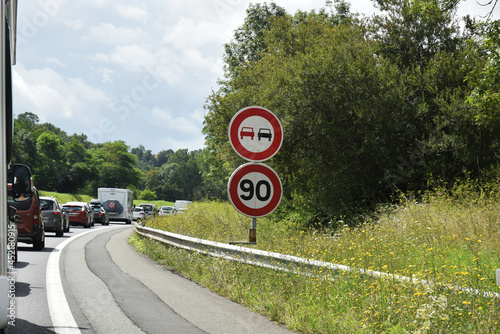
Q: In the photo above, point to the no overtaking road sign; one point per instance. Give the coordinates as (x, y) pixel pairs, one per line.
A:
(255, 133)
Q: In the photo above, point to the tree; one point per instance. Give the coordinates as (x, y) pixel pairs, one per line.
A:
(145, 158)
(182, 174)
(486, 78)
(321, 80)
(179, 178)
(214, 180)
(248, 43)
(24, 145)
(154, 182)
(82, 171)
(148, 195)
(412, 32)
(163, 156)
(424, 39)
(119, 167)
(51, 167)
(366, 109)
(27, 120)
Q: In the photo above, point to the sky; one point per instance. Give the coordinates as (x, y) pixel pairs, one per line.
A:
(137, 71)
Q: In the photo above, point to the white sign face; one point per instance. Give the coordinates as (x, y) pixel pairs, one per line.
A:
(255, 133)
(254, 189)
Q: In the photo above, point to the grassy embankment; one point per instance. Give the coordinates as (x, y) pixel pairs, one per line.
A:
(64, 198)
(448, 240)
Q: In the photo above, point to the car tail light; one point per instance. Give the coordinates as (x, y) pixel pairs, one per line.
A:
(35, 215)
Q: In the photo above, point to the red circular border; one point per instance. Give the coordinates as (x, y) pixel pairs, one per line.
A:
(234, 125)
(235, 179)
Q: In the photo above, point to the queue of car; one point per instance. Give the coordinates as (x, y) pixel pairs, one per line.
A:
(45, 214)
(42, 214)
(33, 215)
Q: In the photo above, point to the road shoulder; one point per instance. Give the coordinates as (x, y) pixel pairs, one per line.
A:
(203, 308)
(89, 298)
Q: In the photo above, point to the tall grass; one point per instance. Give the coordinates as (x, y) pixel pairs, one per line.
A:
(451, 240)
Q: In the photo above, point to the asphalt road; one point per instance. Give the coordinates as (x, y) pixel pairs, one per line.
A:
(93, 281)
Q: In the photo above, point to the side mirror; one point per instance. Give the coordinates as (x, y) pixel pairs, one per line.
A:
(13, 216)
(21, 183)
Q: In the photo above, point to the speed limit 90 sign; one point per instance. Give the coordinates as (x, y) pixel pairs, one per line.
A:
(255, 189)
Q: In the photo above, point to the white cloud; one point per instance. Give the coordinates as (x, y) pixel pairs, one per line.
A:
(191, 143)
(107, 33)
(55, 61)
(75, 24)
(186, 124)
(132, 12)
(106, 75)
(132, 58)
(188, 33)
(52, 96)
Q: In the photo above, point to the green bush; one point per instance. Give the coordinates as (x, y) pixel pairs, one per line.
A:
(148, 195)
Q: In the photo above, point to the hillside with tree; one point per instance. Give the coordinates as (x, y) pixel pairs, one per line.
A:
(71, 164)
(369, 106)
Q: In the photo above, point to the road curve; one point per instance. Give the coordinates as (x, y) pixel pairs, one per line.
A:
(110, 288)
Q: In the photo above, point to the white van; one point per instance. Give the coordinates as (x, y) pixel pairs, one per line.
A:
(181, 205)
(119, 203)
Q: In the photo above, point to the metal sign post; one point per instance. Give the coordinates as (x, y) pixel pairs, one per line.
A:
(252, 233)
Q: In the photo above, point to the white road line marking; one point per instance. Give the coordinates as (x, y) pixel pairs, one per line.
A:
(60, 313)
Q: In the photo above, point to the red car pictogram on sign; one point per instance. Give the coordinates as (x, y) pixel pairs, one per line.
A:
(247, 132)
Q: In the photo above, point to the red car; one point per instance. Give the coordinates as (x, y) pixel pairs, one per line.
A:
(24, 197)
(79, 213)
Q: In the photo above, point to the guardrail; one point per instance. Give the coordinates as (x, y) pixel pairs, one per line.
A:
(237, 253)
(279, 261)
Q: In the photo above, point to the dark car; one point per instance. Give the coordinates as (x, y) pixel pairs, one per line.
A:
(79, 213)
(65, 218)
(52, 216)
(100, 215)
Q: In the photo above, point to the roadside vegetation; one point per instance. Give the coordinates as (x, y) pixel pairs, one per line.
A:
(449, 238)
(64, 198)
